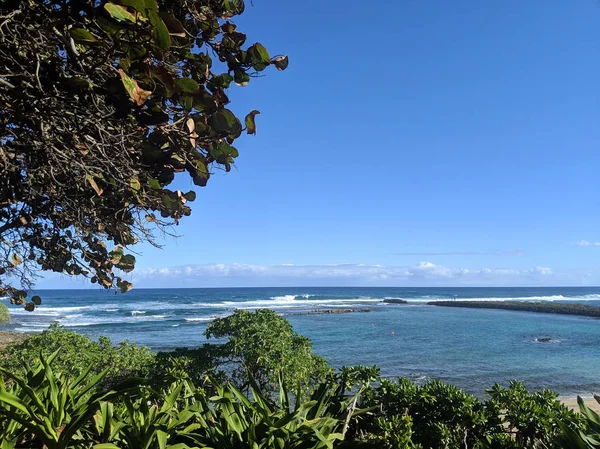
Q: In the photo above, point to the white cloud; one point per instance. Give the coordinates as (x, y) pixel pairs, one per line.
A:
(586, 243)
(423, 274)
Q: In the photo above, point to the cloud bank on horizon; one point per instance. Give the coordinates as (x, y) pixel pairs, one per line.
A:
(422, 274)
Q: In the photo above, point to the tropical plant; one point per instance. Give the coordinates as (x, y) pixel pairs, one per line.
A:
(52, 409)
(533, 419)
(101, 105)
(76, 353)
(432, 415)
(264, 345)
(587, 435)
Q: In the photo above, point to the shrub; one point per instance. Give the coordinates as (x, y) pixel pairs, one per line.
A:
(76, 353)
(4, 315)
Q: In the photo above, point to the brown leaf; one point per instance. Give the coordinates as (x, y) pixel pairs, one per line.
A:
(191, 126)
(173, 25)
(136, 93)
(281, 62)
(97, 189)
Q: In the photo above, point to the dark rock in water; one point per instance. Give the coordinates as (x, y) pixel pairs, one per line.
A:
(328, 311)
(543, 339)
(395, 301)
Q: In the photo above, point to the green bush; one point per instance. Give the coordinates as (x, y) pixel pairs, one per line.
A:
(4, 315)
(76, 353)
(265, 345)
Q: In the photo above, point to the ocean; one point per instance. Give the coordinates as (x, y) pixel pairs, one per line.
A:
(471, 348)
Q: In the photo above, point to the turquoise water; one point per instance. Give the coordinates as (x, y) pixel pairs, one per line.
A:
(471, 348)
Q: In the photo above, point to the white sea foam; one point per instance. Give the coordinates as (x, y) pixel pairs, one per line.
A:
(138, 312)
(521, 298)
(290, 297)
(205, 318)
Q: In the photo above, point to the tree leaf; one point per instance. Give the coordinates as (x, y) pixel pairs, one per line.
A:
(138, 5)
(93, 184)
(36, 300)
(190, 196)
(136, 93)
(241, 78)
(223, 121)
(281, 62)
(82, 35)
(119, 13)
(187, 85)
(258, 56)
(134, 183)
(124, 286)
(162, 38)
(173, 25)
(16, 259)
(127, 263)
(250, 124)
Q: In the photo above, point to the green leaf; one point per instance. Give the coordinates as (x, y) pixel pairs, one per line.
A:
(223, 121)
(119, 13)
(124, 286)
(116, 255)
(190, 196)
(138, 5)
(171, 202)
(36, 300)
(153, 183)
(82, 35)
(187, 85)
(162, 38)
(241, 78)
(258, 56)
(127, 263)
(134, 183)
(151, 5)
(250, 123)
(105, 446)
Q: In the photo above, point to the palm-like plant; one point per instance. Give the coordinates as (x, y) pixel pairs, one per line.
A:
(47, 407)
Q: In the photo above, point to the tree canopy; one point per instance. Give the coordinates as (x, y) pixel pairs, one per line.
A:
(264, 345)
(102, 103)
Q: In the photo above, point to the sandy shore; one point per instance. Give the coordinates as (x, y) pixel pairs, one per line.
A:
(7, 338)
(571, 402)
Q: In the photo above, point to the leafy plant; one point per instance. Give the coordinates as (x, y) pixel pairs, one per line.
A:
(51, 408)
(102, 104)
(264, 345)
(77, 353)
(534, 419)
(585, 436)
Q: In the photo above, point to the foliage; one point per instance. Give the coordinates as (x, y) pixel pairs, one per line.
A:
(432, 415)
(50, 408)
(588, 435)
(4, 315)
(183, 363)
(264, 345)
(76, 353)
(533, 418)
(101, 105)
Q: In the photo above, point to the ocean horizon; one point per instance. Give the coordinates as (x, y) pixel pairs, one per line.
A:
(470, 348)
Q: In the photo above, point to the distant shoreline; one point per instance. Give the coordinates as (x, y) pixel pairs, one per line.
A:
(525, 306)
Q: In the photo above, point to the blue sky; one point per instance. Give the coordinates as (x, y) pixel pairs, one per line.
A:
(423, 143)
